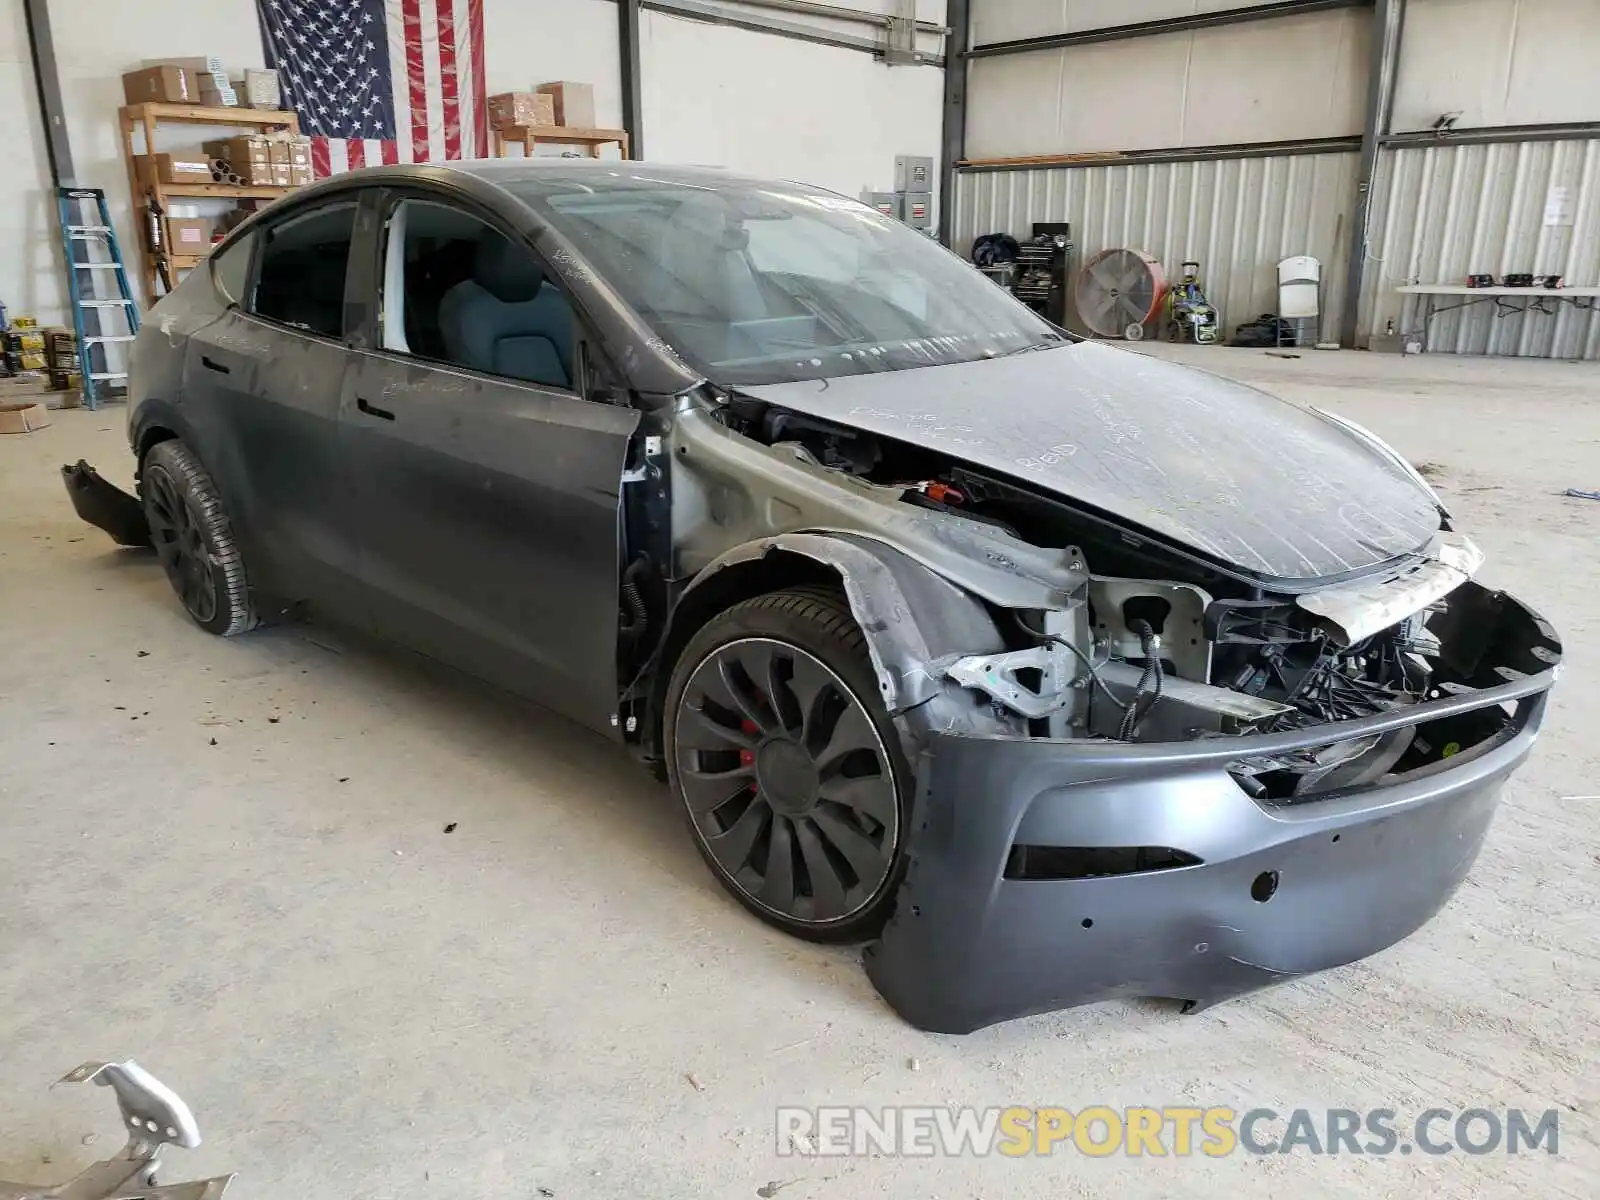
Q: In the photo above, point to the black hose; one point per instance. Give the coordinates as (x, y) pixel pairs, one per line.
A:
(639, 615)
(1137, 711)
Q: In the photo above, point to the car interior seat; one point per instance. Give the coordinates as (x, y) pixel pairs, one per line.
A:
(507, 319)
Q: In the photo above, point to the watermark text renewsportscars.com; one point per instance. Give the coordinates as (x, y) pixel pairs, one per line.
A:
(1176, 1131)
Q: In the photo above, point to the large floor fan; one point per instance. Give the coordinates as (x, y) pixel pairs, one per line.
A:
(1119, 292)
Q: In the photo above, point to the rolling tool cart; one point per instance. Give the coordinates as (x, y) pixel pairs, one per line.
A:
(1040, 281)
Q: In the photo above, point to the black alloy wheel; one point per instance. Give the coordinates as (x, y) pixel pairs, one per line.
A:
(790, 781)
(194, 540)
(181, 547)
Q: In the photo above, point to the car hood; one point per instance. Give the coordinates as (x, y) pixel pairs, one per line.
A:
(1222, 468)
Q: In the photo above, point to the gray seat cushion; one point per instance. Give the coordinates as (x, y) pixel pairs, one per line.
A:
(508, 319)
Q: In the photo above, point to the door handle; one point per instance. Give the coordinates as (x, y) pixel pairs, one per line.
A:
(372, 410)
(212, 364)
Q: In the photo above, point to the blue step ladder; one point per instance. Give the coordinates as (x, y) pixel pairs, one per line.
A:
(102, 321)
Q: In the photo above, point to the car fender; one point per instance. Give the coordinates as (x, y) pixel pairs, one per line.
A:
(915, 622)
(156, 412)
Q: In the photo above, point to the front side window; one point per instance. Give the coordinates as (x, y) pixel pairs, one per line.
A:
(457, 291)
(301, 280)
(230, 268)
(766, 283)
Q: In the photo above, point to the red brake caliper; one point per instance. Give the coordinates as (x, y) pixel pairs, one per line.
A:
(747, 758)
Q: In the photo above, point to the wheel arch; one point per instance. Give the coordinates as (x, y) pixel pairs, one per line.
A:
(911, 618)
(157, 421)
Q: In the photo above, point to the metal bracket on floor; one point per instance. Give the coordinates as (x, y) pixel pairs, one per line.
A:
(154, 1116)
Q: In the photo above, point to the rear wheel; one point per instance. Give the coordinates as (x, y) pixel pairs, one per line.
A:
(787, 766)
(194, 539)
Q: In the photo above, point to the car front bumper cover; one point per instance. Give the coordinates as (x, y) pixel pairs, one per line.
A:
(1267, 891)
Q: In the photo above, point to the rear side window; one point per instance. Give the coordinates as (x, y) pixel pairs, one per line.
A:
(301, 279)
(230, 269)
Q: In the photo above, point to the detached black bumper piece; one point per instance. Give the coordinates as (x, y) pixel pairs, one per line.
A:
(1047, 874)
(106, 506)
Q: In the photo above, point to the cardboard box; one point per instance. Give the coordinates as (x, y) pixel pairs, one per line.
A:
(253, 172)
(574, 102)
(195, 66)
(259, 89)
(278, 152)
(299, 174)
(521, 108)
(168, 83)
(188, 235)
(172, 168)
(244, 148)
(214, 97)
(300, 151)
(23, 417)
(282, 175)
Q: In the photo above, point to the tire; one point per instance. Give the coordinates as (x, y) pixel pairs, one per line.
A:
(194, 540)
(795, 788)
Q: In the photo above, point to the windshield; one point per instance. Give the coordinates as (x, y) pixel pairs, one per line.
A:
(754, 283)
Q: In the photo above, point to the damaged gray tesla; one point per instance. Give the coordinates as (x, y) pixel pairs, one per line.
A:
(1052, 672)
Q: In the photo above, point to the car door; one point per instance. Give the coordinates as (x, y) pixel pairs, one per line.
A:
(485, 485)
(270, 373)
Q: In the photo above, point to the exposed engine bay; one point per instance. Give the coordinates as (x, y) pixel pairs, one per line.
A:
(1160, 645)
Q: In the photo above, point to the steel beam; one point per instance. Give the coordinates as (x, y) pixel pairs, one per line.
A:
(1388, 24)
(1183, 154)
(833, 12)
(711, 14)
(1139, 29)
(953, 138)
(1490, 134)
(632, 80)
(42, 46)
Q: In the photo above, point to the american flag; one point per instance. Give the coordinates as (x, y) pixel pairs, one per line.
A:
(381, 81)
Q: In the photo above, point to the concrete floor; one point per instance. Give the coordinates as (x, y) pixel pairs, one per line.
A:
(228, 859)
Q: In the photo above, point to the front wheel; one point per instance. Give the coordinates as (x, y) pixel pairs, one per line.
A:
(194, 539)
(787, 765)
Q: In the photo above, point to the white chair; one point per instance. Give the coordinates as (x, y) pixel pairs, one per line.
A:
(1300, 297)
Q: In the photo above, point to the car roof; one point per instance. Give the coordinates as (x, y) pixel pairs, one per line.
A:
(551, 175)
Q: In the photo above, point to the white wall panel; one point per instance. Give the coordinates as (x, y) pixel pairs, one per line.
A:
(30, 264)
(751, 101)
(1499, 62)
(96, 41)
(529, 42)
(1238, 217)
(1298, 77)
(776, 106)
(1442, 213)
(1008, 20)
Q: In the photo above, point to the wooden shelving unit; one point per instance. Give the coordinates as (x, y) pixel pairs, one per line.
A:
(529, 136)
(225, 191)
(146, 119)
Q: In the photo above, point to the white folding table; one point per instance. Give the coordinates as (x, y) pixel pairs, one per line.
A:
(1503, 298)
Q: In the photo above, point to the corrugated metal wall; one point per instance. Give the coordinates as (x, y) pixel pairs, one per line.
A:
(1237, 216)
(1441, 213)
